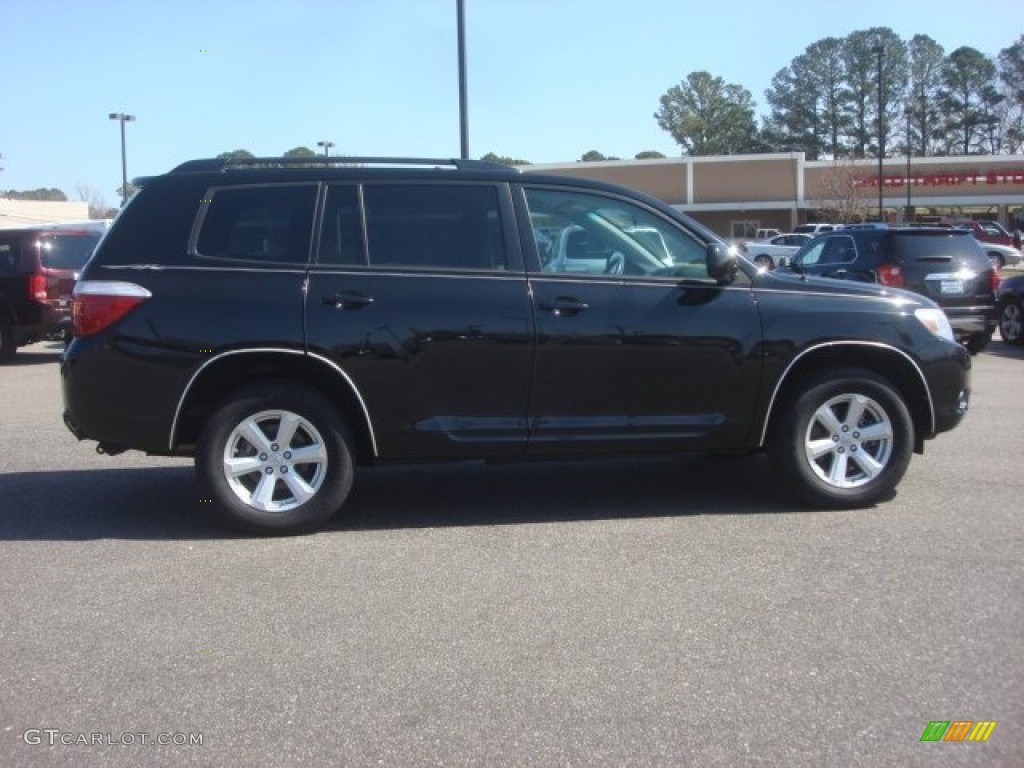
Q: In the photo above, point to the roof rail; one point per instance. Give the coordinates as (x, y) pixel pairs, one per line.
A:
(241, 163)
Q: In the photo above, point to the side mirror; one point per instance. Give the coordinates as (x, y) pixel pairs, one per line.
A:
(721, 262)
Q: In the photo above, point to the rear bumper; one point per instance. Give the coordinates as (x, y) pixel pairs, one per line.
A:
(119, 398)
(49, 320)
(967, 321)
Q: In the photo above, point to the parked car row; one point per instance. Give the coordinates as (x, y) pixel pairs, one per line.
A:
(947, 265)
(775, 251)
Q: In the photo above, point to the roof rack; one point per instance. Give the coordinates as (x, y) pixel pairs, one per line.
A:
(242, 163)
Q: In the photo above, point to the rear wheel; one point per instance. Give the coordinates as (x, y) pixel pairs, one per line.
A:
(977, 342)
(7, 344)
(845, 441)
(275, 459)
(764, 260)
(1010, 316)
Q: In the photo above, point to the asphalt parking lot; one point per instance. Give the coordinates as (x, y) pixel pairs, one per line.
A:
(670, 612)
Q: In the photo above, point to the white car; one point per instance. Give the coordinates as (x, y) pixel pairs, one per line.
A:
(1001, 255)
(816, 229)
(776, 251)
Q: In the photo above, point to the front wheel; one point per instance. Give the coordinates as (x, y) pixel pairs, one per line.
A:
(764, 260)
(844, 442)
(275, 459)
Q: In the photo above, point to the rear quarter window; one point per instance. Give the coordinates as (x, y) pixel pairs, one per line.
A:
(262, 224)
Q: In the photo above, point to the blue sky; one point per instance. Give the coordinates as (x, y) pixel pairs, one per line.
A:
(548, 79)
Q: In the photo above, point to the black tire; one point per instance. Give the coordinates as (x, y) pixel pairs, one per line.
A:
(976, 342)
(764, 260)
(8, 347)
(835, 478)
(1011, 315)
(264, 499)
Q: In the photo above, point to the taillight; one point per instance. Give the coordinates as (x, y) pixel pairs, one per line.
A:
(995, 281)
(37, 287)
(891, 275)
(98, 304)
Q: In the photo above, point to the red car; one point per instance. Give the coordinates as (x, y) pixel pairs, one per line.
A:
(38, 269)
(989, 232)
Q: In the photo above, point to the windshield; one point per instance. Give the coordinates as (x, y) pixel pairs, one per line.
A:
(993, 228)
(66, 251)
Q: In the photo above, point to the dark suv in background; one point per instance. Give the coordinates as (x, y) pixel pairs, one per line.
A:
(38, 267)
(284, 321)
(946, 265)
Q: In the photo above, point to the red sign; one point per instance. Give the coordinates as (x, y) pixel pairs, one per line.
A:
(947, 179)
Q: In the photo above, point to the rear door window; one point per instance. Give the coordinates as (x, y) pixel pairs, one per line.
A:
(434, 226)
(262, 224)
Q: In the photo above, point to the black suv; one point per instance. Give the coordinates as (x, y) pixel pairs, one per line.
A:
(946, 265)
(38, 267)
(285, 321)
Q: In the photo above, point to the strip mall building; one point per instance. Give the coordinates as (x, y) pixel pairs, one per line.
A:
(737, 194)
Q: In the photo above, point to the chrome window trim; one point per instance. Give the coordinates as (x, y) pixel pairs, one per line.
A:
(200, 268)
(279, 350)
(349, 270)
(875, 344)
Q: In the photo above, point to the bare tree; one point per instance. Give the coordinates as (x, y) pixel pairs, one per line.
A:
(843, 193)
(98, 208)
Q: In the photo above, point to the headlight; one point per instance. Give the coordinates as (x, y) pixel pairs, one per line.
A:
(935, 320)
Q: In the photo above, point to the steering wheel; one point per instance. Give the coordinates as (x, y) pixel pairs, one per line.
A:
(616, 264)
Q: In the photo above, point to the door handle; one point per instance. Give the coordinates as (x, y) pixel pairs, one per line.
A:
(347, 300)
(564, 305)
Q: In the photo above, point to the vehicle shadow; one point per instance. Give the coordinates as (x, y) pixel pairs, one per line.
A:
(34, 358)
(1002, 349)
(164, 503)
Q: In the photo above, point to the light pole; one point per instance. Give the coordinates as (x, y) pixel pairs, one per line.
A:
(460, 11)
(122, 118)
(908, 113)
(327, 147)
(879, 50)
